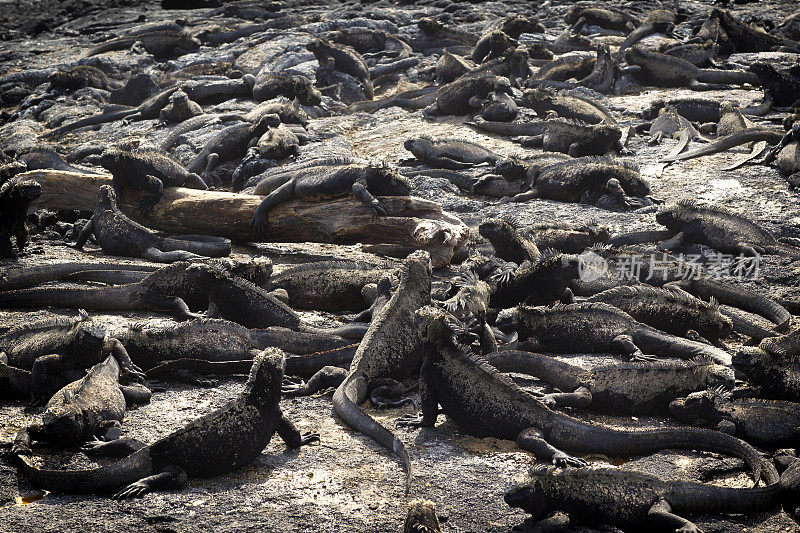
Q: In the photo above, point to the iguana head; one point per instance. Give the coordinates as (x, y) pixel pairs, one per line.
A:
(90, 338)
(111, 159)
(23, 191)
(106, 197)
(383, 180)
(495, 228)
(698, 407)
(668, 216)
(308, 94)
(266, 375)
(530, 495)
(512, 169)
(63, 422)
(429, 26)
(515, 25)
(750, 358)
(437, 326)
(507, 320)
(418, 146)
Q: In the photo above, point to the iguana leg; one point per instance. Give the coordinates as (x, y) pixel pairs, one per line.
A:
(326, 377)
(173, 304)
(154, 189)
(532, 440)
(673, 242)
(533, 141)
(387, 393)
(567, 297)
(446, 162)
(363, 195)
(14, 382)
(521, 197)
(581, 398)
(127, 367)
(726, 426)
(660, 514)
(83, 236)
(430, 401)
(24, 437)
(291, 436)
(184, 375)
(22, 239)
(554, 524)
(113, 448)
(625, 345)
(157, 256)
(193, 181)
(135, 394)
(749, 249)
(284, 193)
(172, 477)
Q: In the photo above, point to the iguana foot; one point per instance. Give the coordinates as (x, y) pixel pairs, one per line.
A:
(640, 357)
(293, 387)
(21, 449)
(689, 528)
(134, 490)
(563, 459)
(378, 208)
(409, 420)
(308, 438)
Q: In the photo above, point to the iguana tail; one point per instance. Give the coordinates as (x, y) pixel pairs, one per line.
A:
(208, 247)
(728, 77)
(746, 135)
(97, 480)
(353, 391)
(27, 277)
(91, 121)
(97, 298)
(785, 250)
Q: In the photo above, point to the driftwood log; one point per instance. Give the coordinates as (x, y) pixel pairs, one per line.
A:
(410, 221)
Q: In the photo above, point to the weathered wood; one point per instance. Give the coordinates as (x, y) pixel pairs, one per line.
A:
(410, 221)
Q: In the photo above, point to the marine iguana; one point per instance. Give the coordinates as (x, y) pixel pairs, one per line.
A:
(272, 84)
(343, 58)
(455, 98)
(449, 67)
(577, 138)
(16, 196)
(605, 17)
(771, 423)
(220, 442)
(451, 153)
(43, 157)
(747, 37)
(539, 283)
(232, 142)
(700, 110)
(731, 119)
(669, 309)
(391, 348)
(508, 244)
(565, 68)
(329, 285)
(566, 238)
(330, 179)
(180, 108)
(746, 135)
(657, 21)
(668, 71)
(485, 403)
(80, 76)
(370, 43)
(720, 229)
(492, 45)
(514, 129)
(570, 180)
(149, 109)
(83, 409)
(147, 171)
(53, 348)
(499, 107)
(598, 328)
(119, 235)
(604, 73)
(781, 88)
(433, 28)
(163, 41)
(632, 500)
(641, 388)
(276, 143)
(669, 123)
(421, 517)
(771, 376)
(566, 105)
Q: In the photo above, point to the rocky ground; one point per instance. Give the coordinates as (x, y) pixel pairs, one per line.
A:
(347, 482)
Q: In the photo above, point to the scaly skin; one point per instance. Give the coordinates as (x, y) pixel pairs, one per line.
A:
(720, 229)
(641, 388)
(564, 68)
(781, 87)
(669, 309)
(391, 348)
(119, 235)
(163, 41)
(271, 84)
(632, 500)
(771, 423)
(233, 141)
(327, 181)
(218, 443)
(421, 518)
(80, 76)
(371, 43)
(669, 71)
(147, 171)
(329, 285)
(83, 409)
(580, 139)
(486, 404)
(451, 153)
(344, 59)
(508, 244)
(608, 18)
(540, 283)
(180, 108)
(567, 105)
(657, 21)
(740, 137)
(774, 377)
(454, 98)
(567, 238)
(598, 328)
(746, 37)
